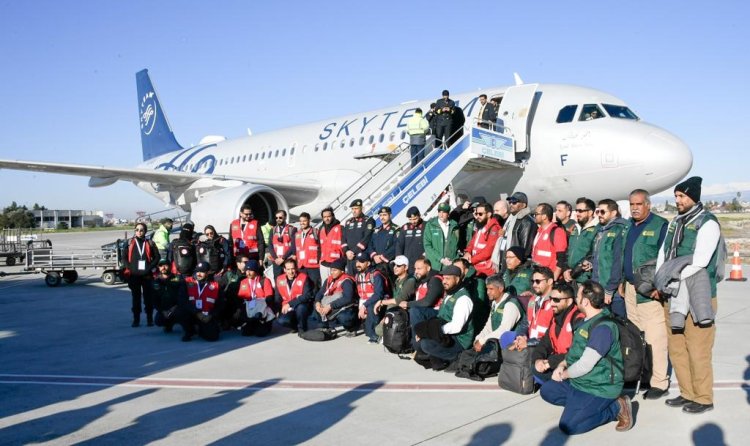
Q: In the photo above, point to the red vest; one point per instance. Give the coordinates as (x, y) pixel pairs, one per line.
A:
(336, 286)
(562, 342)
(287, 293)
(365, 287)
(282, 240)
(539, 320)
(422, 292)
(481, 246)
(544, 252)
(330, 244)
(249, 237)
(204, 298)
(307, 248)
(259, 288)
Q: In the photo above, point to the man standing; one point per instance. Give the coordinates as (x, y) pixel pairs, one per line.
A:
(330, 242)
(372, 287)
(487, 113)
(246, 235)
(550, 243)
(444, 109)
(589, 381)
(281, 246)
(607, 254)
(581, 242)
(410, 238)
(645, 236)
(417, 128)
(563, 209)
(518, 272)
(384, 239)
(356, 234)
(307, 249)
(161, 236)
(479, 252)
(441, 238)
(519, 229)
(694, 231)
(294, 296)
(141, 259)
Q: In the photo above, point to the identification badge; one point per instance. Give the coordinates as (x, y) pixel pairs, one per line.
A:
(302, 255)
(142, 265)
(199, 304)
(279, 251)
(242, 243)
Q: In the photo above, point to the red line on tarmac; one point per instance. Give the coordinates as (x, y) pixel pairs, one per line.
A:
(107, 381)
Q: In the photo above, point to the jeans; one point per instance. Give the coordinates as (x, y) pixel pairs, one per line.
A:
(417, 153)
(417, 315)
(436, 349)
(372, 320)
(296, 319)
(582, 411)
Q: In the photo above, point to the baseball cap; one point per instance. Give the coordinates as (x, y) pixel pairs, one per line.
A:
(518, 197)
(400, 261)
(444, 207)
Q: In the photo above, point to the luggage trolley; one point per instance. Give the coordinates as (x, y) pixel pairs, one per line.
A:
(63, 265)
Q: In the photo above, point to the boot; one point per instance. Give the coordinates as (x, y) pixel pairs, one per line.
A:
(136, 320)
(150, 319)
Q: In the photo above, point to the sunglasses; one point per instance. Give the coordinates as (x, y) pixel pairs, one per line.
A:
(480, 213)
(583, 210)
(140, 230)
(279, 218)
(538, 281)
(557, 300)
(600, 212)
(512, 201)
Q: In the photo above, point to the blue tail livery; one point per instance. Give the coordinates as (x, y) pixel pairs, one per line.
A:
(156, 135)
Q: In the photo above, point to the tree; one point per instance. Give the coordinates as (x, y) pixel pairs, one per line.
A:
(15, 216)
(37, 207)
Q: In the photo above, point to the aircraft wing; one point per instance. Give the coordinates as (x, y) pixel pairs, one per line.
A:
(104, 176)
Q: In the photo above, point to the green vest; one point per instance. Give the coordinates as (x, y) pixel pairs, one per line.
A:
(687, 246)
(580, 245)
(605, 380)
(519, 279)
(466, 336)
(266, 230)
(604, 251)
(646, 247)
(166, 294)
(436, 246)
(496, 318)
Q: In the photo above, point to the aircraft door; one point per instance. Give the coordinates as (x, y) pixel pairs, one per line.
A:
(514, 112)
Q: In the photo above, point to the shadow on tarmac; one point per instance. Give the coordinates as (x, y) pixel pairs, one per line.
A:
(709, 433)
(308, 422)
(746, 377)
(159, 424)
(62, 423)
(496, 434)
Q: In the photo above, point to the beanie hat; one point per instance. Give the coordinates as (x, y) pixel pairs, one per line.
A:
(518, 252)
(691, 187)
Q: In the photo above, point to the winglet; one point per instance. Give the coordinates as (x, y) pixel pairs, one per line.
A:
(518, 79)
(156, 134)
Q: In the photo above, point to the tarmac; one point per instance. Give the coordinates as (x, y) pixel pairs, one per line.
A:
(73, 371)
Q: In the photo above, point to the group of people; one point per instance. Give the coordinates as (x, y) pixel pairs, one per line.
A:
(480, 276)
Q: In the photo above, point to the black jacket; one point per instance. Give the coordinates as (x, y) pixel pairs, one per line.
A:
(524, 232)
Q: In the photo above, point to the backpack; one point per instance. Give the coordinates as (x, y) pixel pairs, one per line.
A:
(396, 331)
(634, 349)
(478, 366)
(211, 252)
(183, 253)
(515, 371)
(318, 335)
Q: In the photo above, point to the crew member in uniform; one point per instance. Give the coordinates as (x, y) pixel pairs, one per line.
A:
(384, 240)
(202, 307)
(307, 250)
(330, 242)
(281, 246)
(215, 251)
(356, 235)
(487, 114)
(247, 235)
(256, 292)
(294, 297)
(444, 109)
(410, 238)
(336, 301)
(169, 291)
(141, 258)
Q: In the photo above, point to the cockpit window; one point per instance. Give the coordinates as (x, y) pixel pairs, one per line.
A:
(620, 111)
(566, 114)
(591, 112)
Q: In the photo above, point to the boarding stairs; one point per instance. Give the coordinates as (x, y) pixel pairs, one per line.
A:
(396, 184)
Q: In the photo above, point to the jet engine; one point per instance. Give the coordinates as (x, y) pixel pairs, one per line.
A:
(220, 207)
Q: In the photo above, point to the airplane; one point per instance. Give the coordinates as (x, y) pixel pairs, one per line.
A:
(569, 142)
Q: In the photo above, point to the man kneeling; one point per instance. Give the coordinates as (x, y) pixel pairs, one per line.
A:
(589, 381)
(443, 338)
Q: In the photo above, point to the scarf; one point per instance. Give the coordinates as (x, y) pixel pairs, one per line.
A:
(679, 231)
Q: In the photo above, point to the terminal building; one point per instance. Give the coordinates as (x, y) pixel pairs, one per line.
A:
(51, 218)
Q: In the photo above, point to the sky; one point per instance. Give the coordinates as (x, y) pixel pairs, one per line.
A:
(221, 68)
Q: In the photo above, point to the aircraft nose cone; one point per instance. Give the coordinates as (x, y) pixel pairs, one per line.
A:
(669, 160)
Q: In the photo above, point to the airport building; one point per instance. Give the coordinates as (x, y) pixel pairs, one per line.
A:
(50, 219)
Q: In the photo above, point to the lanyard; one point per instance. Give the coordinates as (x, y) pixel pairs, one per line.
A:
(253, 284)
(200, 289)
(140, 248)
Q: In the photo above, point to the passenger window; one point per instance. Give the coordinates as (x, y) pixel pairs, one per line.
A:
(372, 139)
(351, 142)
(276, 154)
(283, 152)
(361, 140)
(317, 147)
(392, 137)
(325, 146)
(256, 157)
(343, 143)
(403, 135)
(263, 155)
(591, 112)
(244, 157)
(566, 114)
(382, 138)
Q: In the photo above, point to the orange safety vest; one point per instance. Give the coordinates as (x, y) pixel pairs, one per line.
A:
(258, 288)
(482, 244)
(544, 252)
(288, 293)
(330, 244)
(422, 292)
(307, 248)
(365, 287)
(282, 240)
(203, 297)
(539, 320)
(562, 342)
